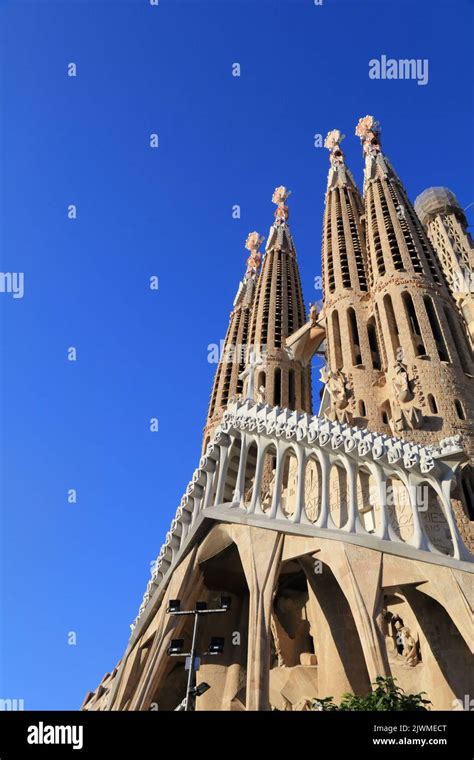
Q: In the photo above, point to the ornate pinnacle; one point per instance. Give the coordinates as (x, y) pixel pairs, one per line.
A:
(368, 129)
(254, 241)
(252, 244)
(333, 143)
(279, 197)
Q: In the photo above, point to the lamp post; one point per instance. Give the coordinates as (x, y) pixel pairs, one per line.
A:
(175, 649)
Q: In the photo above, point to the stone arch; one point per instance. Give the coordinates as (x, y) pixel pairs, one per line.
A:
(399, 511)
(291, 389)
(267, 481)
(250, 469)
(466, 479)
(337, 644)
(368, 506)
(277, 387)
(433, 519)
(414, 329)
(222, 572)
(444, 672)
(336, 340)
(214, 481)
(338, 494)
(313, 486)
(374, 343)
(386, 412)
(393, 330)
(231, 470)
(289, 482)
(459, 409)
(354, 337)
(261, 381)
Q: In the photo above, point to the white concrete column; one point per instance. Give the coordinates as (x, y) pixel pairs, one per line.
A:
(419, 539)
(280, 456)
(352, 515)
(240, 484)
(300, 494)
(208, 488)
(459, 550)
(322, 520)
(197, 497)
(381, 530)
(223, 460)
(255, 505)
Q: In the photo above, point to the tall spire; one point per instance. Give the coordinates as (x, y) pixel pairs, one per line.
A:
(278, 311)
(396, 240)
(352, 346)
(426, 356)
(445, 224)
(227, 383)
(344, 257)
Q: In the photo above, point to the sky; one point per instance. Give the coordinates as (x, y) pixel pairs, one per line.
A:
(72, 575)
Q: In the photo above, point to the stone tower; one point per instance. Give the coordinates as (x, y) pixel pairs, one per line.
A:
(425, 391)
(446, 226)
(227, 381)
(278, 312)
(286, 526)
(353, 354)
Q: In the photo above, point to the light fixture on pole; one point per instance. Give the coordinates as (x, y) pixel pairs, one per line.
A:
(176, 646)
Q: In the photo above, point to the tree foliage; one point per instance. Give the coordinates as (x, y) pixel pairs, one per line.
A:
(386, 695)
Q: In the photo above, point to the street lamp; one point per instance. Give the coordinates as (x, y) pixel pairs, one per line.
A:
(225, 602)
(175, 649)
(196, 691)
(216, 646)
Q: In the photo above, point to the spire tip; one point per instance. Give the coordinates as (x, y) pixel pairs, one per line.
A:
(252, 244)
(333, 144)
(279, 197)
(368, 129)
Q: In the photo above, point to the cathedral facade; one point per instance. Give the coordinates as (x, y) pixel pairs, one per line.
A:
(341, 540)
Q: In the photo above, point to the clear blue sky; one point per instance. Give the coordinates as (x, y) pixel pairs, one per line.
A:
(165, 212)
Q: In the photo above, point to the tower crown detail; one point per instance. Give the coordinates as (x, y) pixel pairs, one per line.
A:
(339, 175)
(368, 129)
(280, 195)
(279, 237)
(252, 244)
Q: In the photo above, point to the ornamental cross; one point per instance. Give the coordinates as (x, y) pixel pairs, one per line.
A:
(249, 372)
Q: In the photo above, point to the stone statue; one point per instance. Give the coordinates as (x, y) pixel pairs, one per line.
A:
(409, 654)
(403, 417)
(248, 373)
(261, 395)
(336, 384)
(401, 382)
(406, 644)
(313, 314)
(337, 388)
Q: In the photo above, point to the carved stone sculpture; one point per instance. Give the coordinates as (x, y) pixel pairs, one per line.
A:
(279, 197)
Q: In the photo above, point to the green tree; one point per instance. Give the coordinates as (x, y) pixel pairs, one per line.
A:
(386, 695)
